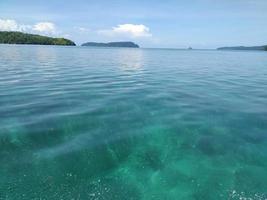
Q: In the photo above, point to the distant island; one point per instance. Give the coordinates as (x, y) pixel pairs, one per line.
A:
(111, 44)
(7, 37)
(257, 48)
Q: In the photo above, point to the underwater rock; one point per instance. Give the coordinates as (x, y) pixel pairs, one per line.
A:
(254, 136)
(152, 158)
(210, 146)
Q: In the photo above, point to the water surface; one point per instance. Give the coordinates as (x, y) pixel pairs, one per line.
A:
(135, 124)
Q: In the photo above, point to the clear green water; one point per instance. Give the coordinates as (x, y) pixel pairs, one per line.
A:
(132, 124)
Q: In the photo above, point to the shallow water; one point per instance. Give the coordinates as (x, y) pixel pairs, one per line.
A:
(135, 124)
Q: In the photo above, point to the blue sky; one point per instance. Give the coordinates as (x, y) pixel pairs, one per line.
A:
(157, 23)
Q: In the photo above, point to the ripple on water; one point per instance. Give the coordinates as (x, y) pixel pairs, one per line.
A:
(139, 124)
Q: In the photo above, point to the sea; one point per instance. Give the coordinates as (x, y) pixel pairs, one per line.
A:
(80, 123)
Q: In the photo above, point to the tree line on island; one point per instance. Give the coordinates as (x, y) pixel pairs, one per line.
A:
(255, 48)
(11, 37)
(7, 37)
(111, 44)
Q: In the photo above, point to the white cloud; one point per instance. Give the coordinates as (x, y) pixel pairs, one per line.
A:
(45, 27)
(82, 29)
(8, 25)
(128, 30)
(12, 25)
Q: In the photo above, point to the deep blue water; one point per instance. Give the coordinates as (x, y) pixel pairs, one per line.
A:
(132, 124)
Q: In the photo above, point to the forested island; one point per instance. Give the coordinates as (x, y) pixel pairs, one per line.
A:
(7, 37)
(112, 44)
(257, 48)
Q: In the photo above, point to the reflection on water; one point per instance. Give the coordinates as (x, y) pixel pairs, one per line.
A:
(139, 124)
(46, 55)
(11, 53)
(130, 59)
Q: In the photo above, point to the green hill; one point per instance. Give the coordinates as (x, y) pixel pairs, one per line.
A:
(258, 48)
(7, 37)
(112, 44)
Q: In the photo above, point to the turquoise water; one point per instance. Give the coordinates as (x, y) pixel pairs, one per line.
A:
(132, 124)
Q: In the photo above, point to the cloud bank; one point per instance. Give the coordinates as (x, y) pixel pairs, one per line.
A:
(136, 32)
(128, 30)
(47, 28)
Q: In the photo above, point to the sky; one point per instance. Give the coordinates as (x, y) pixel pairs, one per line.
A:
(150, 23)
